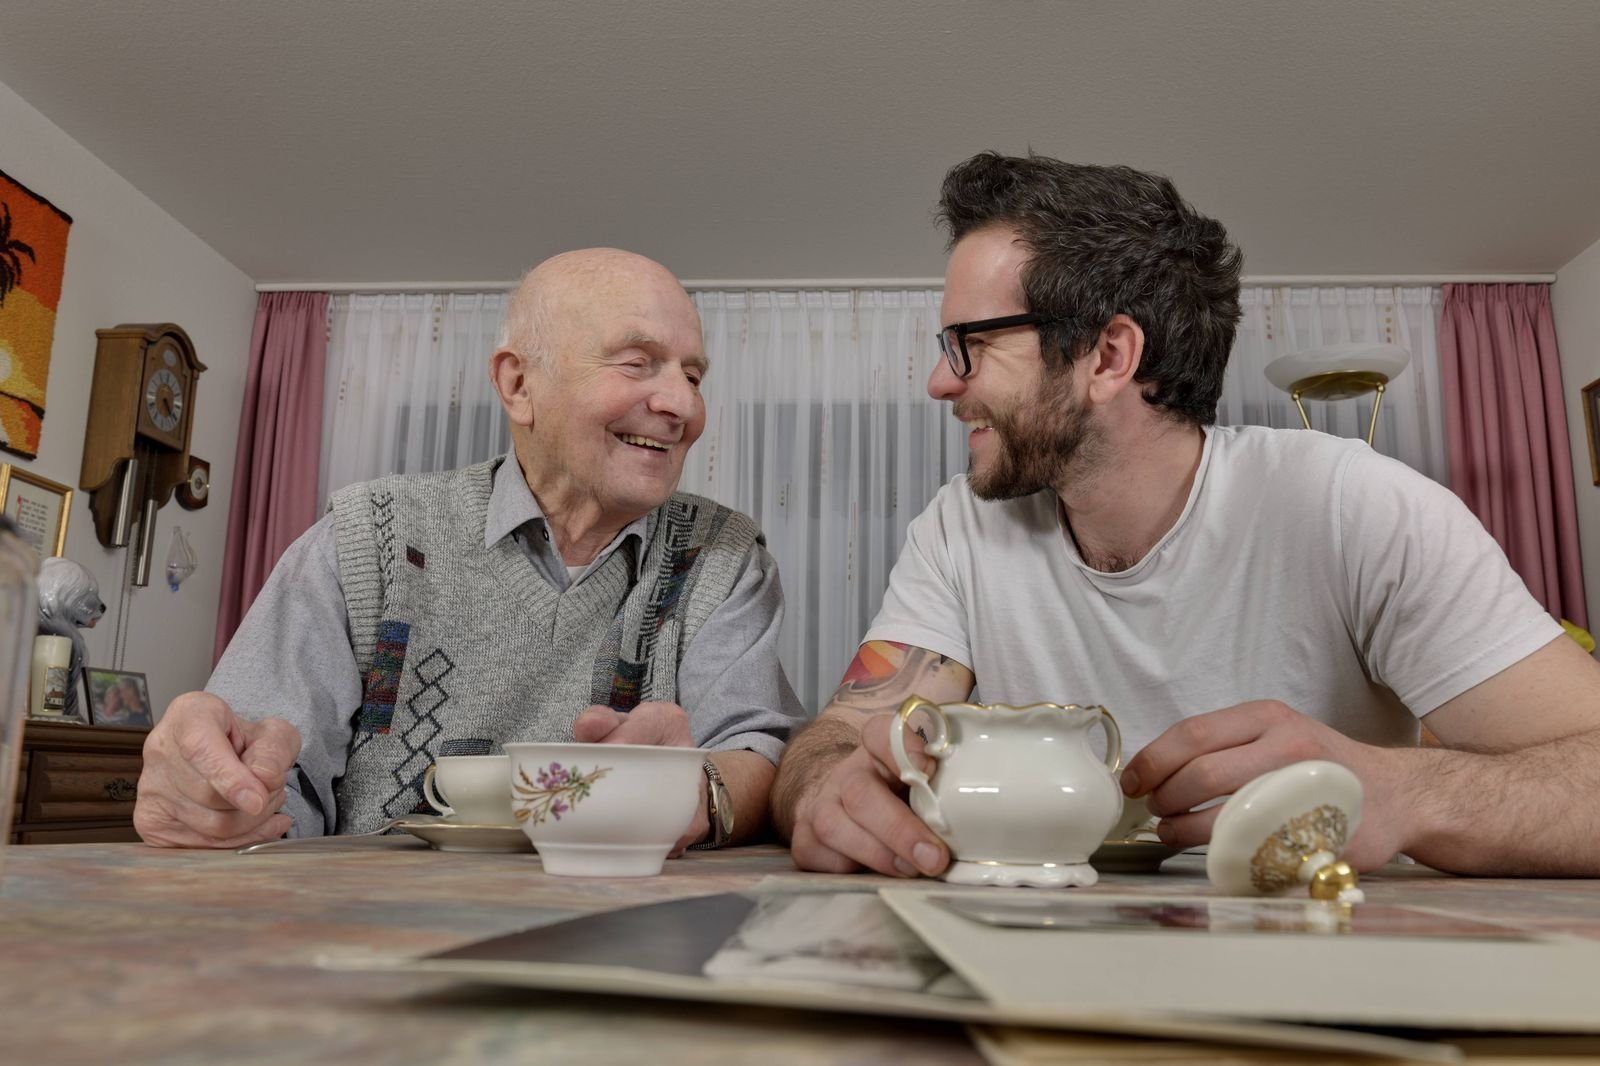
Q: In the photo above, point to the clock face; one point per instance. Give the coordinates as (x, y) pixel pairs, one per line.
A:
(163, 400)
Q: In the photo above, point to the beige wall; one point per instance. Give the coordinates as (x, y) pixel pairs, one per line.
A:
(1576, 301)
(129, 261)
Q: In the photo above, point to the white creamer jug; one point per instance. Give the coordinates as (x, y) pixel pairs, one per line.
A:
(1019, 795)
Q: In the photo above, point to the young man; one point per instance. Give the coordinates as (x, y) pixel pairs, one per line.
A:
(450, 613)
(1240, 599)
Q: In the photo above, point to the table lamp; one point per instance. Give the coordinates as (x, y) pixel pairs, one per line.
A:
(1339, 372)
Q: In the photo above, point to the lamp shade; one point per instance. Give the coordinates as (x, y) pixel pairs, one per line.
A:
(1337, 371)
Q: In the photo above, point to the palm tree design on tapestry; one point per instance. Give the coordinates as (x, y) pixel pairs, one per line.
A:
(553, 792)
(11, 253)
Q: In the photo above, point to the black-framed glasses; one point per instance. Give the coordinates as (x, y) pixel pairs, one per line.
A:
(953, 338)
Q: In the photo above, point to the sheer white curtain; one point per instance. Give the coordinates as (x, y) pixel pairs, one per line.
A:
(408, 385)
(1278, 321)
(819, 427)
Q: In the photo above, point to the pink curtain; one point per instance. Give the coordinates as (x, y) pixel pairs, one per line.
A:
(1506, 425)
(274, 497)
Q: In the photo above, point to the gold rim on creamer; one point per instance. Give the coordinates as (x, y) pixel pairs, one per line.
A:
(914, 703)
(1014, 707)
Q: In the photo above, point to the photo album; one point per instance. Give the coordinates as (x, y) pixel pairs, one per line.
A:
(1058, 961)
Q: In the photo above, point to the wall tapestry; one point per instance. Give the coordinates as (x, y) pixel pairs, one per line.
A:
(33, 253)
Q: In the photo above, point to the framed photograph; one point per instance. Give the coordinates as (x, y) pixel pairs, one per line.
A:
(117, 697)
(38, 507)
(1591, 425)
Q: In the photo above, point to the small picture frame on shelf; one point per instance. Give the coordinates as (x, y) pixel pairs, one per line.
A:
(117, 697)
(38, 508)
(1591, 425)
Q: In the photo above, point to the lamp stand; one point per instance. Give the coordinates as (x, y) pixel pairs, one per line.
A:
(1341, 385)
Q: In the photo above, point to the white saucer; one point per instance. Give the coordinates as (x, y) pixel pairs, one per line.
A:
(443, 834)
(1131, 856)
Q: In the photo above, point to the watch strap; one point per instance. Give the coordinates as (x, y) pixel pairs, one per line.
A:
(716, 795)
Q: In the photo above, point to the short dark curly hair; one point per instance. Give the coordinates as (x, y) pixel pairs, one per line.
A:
(1108, 241)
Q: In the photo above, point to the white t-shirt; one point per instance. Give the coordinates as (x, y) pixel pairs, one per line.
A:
(1304, 568)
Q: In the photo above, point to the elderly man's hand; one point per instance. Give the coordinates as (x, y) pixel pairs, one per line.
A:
(1214, 755)
(212, 779)
(662, 724)
(857, 816)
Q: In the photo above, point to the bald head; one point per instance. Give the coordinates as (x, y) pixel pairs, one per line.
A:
(601, 427)
(580, 290)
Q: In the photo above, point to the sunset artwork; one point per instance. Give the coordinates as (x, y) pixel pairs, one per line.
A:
(33, 253)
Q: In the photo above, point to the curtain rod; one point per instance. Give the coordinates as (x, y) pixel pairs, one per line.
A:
(718, 284)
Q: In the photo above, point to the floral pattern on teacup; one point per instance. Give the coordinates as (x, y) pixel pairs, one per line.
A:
(554, 791)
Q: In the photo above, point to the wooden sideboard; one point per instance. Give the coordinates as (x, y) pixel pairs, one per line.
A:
(77, 783)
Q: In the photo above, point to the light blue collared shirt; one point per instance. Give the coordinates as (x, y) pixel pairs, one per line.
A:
(514, 511)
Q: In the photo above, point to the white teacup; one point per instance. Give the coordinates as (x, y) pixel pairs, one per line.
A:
(605, 810)
(472, 789)
(1018, 794)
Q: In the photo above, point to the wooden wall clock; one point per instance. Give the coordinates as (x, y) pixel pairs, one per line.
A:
(136, 444)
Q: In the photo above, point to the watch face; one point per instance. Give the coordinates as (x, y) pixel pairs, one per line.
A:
(199, 483)
(724, 808)
(163, 400)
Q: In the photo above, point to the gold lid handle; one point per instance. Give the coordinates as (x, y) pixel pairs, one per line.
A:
(1337, 882)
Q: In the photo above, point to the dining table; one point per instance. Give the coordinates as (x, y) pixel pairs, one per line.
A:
(123, 953)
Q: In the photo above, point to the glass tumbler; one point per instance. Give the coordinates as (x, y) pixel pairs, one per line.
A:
(19, 621)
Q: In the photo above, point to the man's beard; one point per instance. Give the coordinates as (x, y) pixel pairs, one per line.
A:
(1035, 443)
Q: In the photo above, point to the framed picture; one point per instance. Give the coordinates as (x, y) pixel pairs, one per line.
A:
(117, 697)
(38, 507)
(33, 253)
(1591, 425)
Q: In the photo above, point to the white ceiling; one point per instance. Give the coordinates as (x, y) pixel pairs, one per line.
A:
(333, 140)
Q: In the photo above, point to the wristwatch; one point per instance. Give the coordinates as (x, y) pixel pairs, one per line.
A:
(719, 808)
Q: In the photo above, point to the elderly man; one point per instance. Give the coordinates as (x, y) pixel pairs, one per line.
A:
(450, 613)
(1240, 598)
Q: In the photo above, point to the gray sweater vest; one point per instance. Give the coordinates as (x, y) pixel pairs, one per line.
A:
(465, 648)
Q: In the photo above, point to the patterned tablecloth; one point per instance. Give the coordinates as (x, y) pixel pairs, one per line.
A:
(118, 953)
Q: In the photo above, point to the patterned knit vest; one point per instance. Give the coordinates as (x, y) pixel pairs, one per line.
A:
(465, 648)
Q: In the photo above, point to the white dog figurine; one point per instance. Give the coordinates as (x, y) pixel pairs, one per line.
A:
(69, 600)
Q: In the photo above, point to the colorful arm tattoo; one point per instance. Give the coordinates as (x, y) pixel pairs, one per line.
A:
(884, 673)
